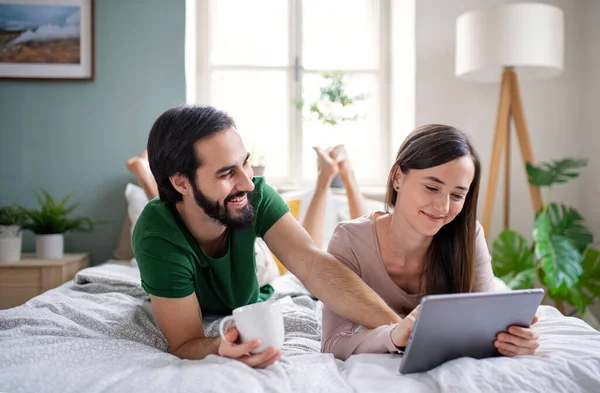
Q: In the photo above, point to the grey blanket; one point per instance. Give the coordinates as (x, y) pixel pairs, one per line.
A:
(98, 334)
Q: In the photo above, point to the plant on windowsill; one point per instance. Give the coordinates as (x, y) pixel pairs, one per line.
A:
(50, 221)
(561, 258)
(333, 107)
(12, 218)
(257, 162)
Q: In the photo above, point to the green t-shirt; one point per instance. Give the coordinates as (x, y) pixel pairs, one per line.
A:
(172, 264)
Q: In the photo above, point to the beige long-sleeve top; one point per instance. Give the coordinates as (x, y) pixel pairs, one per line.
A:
(354, 243)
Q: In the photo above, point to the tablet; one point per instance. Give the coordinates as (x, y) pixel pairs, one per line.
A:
(466, 324)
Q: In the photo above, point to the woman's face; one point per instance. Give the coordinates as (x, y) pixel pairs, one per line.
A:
(431, 198)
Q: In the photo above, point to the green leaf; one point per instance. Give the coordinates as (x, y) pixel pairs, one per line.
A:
(587, 289)
(560, 259)
(554, 172)
(567, 222)
(334, 91)
(52, 217)
(590, 279)
(12, 215)
(512, 260)
(521, 280)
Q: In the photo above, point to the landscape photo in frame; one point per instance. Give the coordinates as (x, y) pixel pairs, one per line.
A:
(46, 39)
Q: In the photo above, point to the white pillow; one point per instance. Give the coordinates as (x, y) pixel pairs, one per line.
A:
(266, 267)
(136, 200)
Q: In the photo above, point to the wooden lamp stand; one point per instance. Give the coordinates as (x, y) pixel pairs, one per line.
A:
(510, 105)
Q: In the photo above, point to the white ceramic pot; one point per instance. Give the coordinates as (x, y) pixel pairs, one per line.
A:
(11, 240)
(258, 170)
(49, 246)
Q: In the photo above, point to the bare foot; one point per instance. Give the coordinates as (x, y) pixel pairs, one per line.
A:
(139, 166)
(326, 165)
(340, 155)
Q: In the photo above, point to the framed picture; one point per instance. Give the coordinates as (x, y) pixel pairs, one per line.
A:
(47, 39)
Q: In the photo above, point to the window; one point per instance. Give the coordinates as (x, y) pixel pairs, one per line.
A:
(257, 59)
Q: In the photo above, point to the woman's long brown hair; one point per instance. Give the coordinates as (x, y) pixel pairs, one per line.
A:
(450, 262)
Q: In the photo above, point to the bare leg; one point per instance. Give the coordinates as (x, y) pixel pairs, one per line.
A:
(314, 219)
(356, 200)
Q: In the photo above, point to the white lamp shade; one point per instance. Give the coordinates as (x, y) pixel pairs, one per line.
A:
(526, 36)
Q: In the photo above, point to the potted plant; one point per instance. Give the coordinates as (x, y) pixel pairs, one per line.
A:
(257, 162)
(562, 257)
(50, 222)
(12, 218)
(333, 106)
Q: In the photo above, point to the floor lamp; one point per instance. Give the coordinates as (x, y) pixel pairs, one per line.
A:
(495, 45)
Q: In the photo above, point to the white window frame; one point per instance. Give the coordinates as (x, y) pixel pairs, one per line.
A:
(395, 87)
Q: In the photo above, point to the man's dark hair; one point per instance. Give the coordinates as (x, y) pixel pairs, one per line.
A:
(171, 144)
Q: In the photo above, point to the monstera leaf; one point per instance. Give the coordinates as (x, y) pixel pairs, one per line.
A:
(558, 171)
(566, 221)
(560, 259)
(589, 283)
(513, 260)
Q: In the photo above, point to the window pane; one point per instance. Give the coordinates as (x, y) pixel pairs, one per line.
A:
(258, 102)
(249, 32)
(361, 137)
(340, 34)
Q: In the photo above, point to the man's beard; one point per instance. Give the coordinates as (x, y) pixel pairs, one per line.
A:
(221, 214)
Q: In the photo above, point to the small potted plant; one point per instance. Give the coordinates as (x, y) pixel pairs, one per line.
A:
(50, 222)
(12, 219)
(257, 161)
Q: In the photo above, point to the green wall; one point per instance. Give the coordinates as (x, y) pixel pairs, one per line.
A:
(76, 136)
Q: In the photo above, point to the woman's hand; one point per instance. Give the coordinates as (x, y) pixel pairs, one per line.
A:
(401, 332)
(518, 340)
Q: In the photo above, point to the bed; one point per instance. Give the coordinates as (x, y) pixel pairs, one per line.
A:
(97, 334)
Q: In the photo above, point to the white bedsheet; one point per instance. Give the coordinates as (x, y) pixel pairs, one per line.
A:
(568, 360)
(98, 334)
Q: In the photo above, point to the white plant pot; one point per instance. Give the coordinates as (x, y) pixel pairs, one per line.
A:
(11, 240)
(258, 170)
(49, 246)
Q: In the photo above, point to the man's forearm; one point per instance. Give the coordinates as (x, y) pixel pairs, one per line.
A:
(198, 349)
(346, 294)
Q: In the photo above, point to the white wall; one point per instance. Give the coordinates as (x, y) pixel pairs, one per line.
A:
(553, 108)
(590, 132)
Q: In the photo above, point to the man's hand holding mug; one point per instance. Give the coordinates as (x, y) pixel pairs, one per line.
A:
(257, 337)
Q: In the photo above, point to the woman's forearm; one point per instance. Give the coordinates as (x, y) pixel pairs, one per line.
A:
(341, 339)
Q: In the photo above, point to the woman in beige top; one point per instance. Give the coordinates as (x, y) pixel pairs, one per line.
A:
(428, 242)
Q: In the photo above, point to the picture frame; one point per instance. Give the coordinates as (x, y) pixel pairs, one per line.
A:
(47, 40)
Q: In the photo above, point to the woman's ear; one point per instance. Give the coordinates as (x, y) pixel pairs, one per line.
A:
(398, 178)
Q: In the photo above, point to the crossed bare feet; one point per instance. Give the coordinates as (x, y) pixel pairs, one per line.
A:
(332, 161)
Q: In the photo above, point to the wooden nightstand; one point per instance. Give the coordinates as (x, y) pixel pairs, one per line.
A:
(31, 276)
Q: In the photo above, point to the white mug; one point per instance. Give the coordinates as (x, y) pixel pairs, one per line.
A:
(259, 321)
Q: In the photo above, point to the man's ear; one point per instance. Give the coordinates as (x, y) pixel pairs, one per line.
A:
(181, 183)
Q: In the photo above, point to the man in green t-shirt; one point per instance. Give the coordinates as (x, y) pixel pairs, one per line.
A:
(194, 244)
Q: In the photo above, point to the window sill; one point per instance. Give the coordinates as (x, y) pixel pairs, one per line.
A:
(370, 192)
